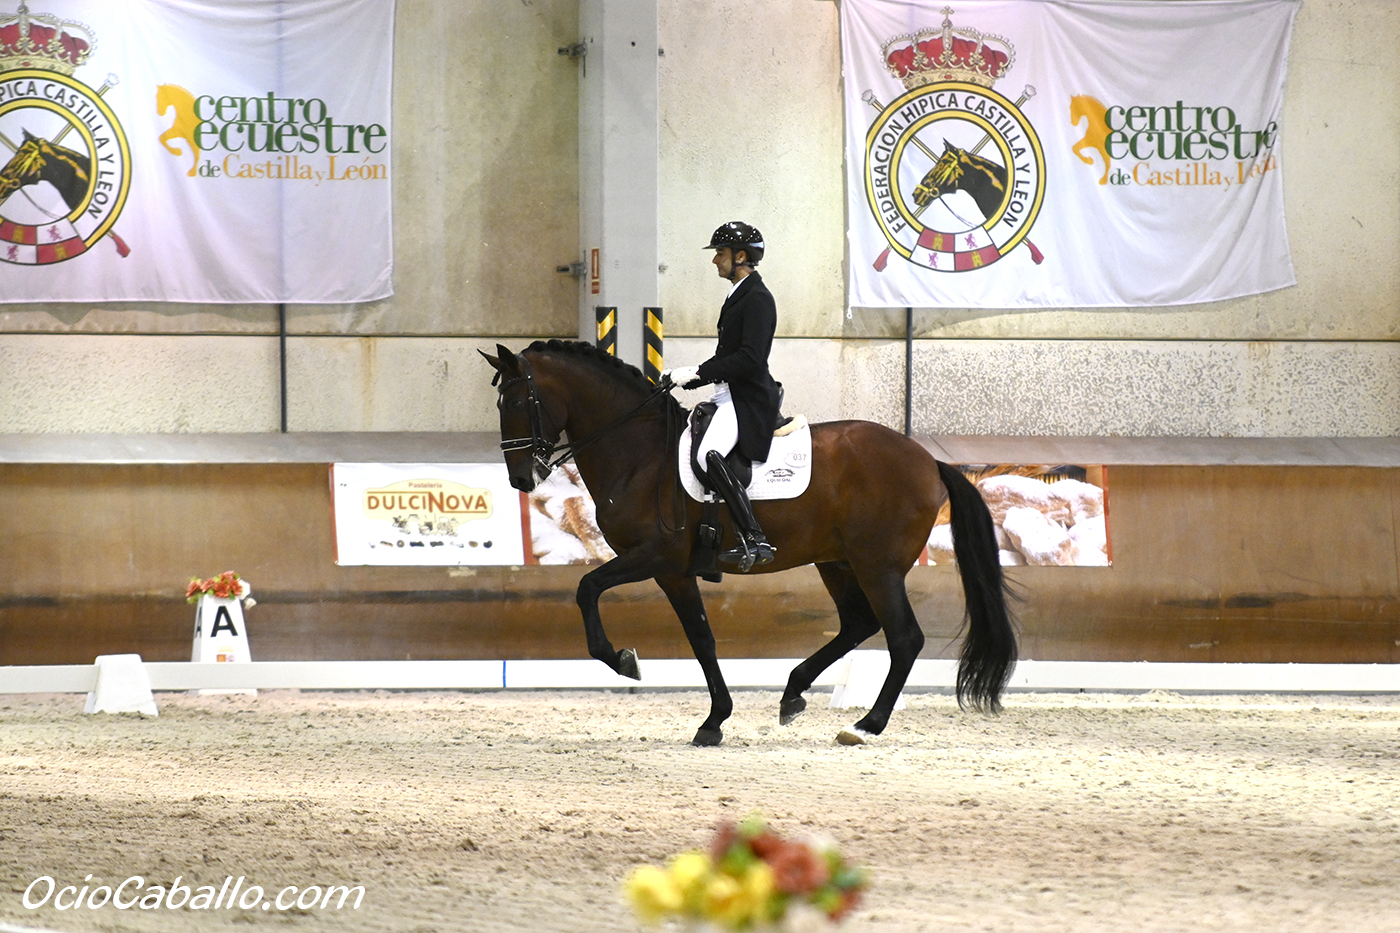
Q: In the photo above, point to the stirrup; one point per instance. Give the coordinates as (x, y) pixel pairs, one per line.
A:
(749, 554)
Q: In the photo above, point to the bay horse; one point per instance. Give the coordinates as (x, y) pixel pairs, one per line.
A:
(39, 160)
(864, 520)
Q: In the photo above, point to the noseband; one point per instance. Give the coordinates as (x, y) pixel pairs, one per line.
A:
(540, 447)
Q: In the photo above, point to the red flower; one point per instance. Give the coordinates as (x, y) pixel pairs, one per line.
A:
(223, 586)
(725, 837)
(765, 844)
(797, 869)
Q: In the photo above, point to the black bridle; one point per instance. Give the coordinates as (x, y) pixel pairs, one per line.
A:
(539, 445)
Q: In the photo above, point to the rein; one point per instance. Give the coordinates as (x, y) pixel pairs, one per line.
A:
(542, 449)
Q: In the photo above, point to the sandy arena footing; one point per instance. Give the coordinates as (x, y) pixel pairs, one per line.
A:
(524, 811)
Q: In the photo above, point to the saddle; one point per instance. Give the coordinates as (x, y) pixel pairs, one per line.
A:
(701, 416)
(783, 475)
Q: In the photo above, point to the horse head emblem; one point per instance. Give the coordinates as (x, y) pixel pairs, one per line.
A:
(38, 160)
(957, 169)
(1084, 107)
(23, 167)
(170, 96)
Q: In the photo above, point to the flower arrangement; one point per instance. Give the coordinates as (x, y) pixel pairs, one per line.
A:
(227, 585)
(750, 878)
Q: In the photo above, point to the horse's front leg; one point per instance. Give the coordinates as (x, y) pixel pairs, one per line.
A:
(631, 567)
(684, 594)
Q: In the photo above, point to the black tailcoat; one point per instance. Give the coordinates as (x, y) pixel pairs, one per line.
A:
(746, 325)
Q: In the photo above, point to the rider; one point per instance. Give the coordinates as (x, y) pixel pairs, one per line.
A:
(747, 397)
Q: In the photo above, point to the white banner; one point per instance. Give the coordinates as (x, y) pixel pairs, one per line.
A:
(1064, 153)
(425, 514)
(195, 150)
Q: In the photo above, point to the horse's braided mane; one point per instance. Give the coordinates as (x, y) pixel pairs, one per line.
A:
(590, 352)
(610, 364)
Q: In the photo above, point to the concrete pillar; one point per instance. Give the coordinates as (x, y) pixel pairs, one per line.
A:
(618, 188)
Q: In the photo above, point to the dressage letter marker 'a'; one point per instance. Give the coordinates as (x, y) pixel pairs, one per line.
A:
(220, 636)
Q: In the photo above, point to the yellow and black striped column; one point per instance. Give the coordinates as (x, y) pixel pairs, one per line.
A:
(607, 329)
(652, 334)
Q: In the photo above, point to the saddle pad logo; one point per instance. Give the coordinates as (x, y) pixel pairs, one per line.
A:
(68, 171)
(954, 171)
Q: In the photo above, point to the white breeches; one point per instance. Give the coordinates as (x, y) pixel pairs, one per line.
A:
(723, 432)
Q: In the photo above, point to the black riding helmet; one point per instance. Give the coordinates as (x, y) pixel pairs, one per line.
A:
(738, 235)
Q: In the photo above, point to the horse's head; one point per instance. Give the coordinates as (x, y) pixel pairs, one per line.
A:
(167, 96)
(960, 170)
(529, 432)
(37, 160)
(25, 165)
(945, 176)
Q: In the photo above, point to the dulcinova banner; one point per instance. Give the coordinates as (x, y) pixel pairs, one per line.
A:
(195, 150)
(1064, 153)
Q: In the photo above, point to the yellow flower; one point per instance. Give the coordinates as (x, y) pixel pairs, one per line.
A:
(735, 902)
(758, 885)
(653, 894)
(724, 900)
(689, 871)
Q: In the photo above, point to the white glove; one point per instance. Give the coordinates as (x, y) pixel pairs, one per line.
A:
(683, 376)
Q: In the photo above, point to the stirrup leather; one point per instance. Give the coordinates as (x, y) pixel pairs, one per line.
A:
(753, 548)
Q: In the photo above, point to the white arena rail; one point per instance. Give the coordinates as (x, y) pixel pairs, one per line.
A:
(856, 678)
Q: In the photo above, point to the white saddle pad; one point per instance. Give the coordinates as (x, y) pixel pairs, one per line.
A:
(784, 475)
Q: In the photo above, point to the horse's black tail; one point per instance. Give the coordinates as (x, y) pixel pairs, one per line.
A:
(989, 650)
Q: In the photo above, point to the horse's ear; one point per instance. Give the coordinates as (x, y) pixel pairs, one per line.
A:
(949, 147)
(504, 362)
(28, 136)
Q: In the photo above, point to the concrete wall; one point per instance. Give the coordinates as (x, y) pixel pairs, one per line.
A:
(486, 206)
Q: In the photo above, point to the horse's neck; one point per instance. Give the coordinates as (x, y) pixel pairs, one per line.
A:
(67, 178)
(613, 458)
(985, 190)
(610, 467)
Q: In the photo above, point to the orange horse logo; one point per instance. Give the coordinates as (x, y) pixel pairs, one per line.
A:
(172, 95)
(1084, 107)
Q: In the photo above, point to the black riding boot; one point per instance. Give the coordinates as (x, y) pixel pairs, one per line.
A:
(754, 549)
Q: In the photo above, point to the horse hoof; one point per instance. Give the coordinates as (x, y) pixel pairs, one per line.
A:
(854, 736)
(790, 710)
(627, 664)
(705, 738)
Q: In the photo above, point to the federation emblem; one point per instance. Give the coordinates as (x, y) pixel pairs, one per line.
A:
(954, 172)
(68, 167)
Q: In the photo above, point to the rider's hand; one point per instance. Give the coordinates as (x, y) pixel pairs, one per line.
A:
(687, 377)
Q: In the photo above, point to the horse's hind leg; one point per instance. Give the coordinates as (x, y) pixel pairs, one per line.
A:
(888, 598)
(684, 594)
(858, 622)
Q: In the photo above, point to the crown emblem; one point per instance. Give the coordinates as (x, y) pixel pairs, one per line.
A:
(43, 41)
(947, 54)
